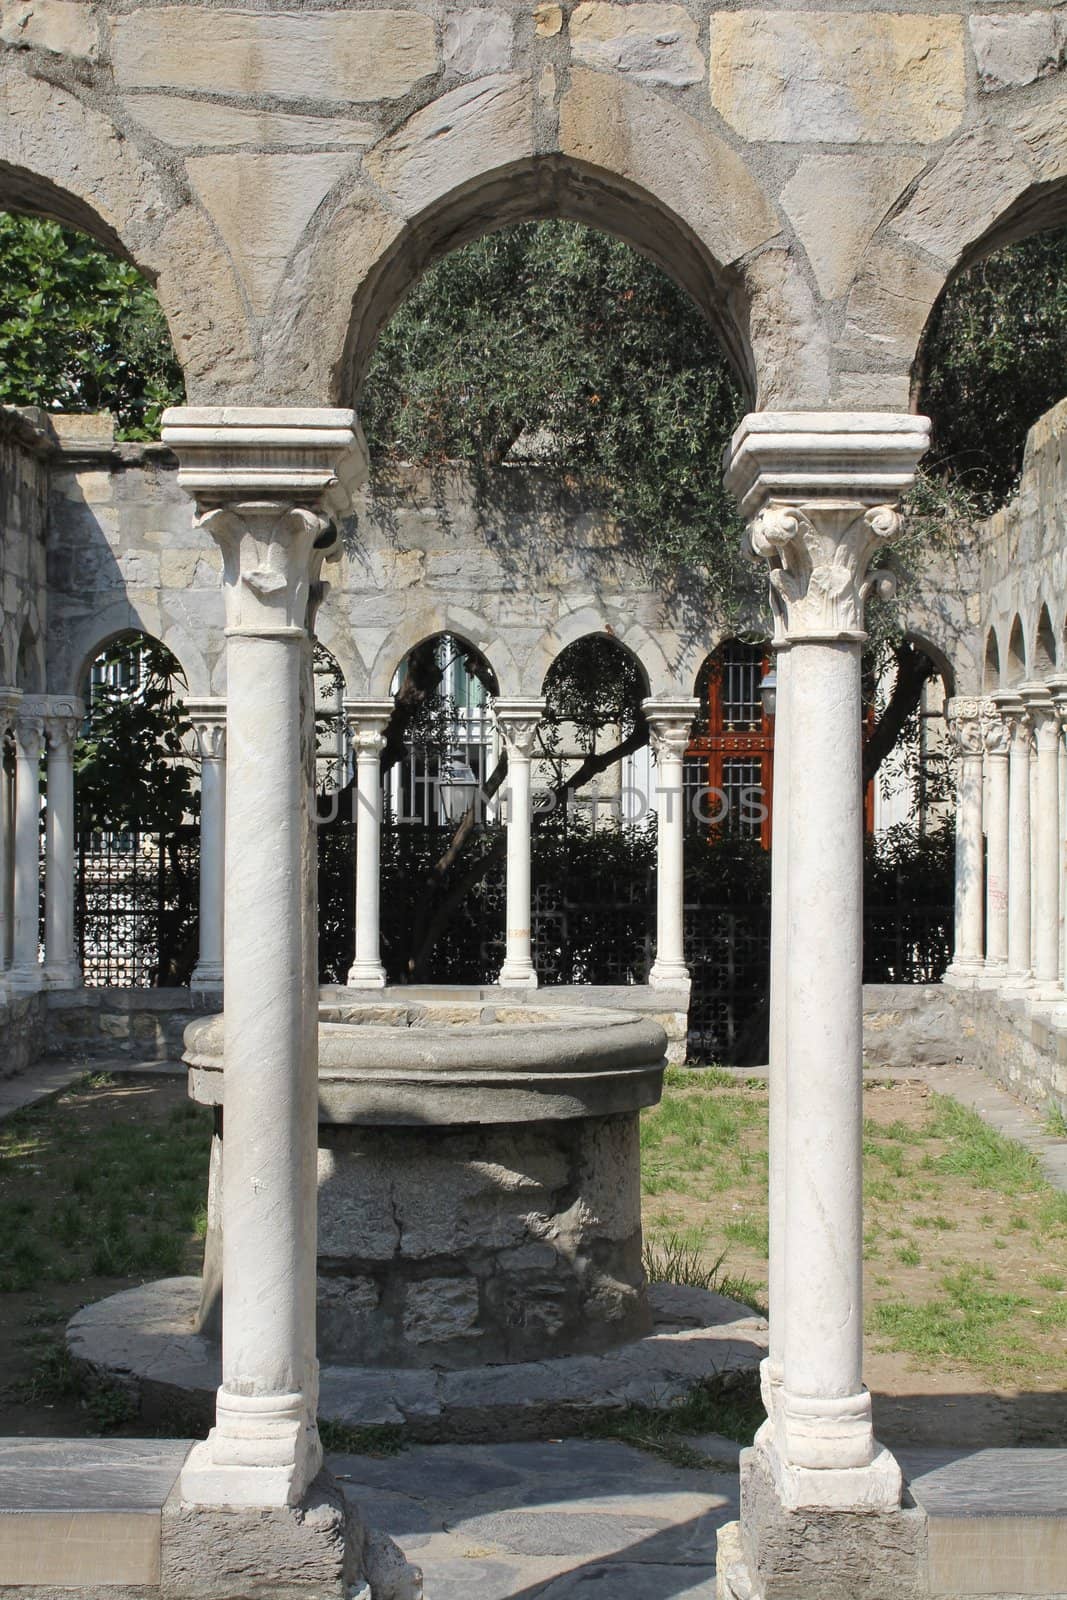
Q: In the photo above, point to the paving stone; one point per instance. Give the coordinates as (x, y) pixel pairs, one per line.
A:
(554, 1531)
(636, 1581)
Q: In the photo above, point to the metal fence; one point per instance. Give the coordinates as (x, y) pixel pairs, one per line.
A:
(136, 908)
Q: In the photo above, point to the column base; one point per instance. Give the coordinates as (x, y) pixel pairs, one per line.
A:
(516, 976)
(669, 975)
(312, 1550)
(778, 1552)
(65, 975)
(825, 1455)
(963, 974)
(207, 975)
(366, 975)
(25, 980)
(264, 1451)
(993, 975)
(1017, 985)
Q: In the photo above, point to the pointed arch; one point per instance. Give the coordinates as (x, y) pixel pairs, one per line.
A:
(991, 679)
(1015, 666)
(1044, 645)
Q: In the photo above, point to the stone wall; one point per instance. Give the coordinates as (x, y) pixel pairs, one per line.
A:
(1023, 556)
(1013, 1042)
(23, 1025)
(26, 443)
(811, 176)
(130, 1024)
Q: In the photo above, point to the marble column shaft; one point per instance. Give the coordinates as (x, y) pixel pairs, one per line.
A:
(367, 722)
(1045, 841)
(517, 722)
(62, 725)
(9, 701)
(997, 743)
(1020, 732)
(26, 975)
(670, 725)
(965, 721)
(208, 721)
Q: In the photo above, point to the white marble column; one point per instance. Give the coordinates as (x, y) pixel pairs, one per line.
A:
(62, 725)
(517, 722)
(773, 1369)
(1057, 687)
(1045, 840)
(1017, 721)
(818, 490)
(27, 975)
(964, 716)
(670, 724)
(267, 484)
(207, 719)
(9, 702)
(997, 744)
(367, 721)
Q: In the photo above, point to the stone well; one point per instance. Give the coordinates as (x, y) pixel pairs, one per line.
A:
(479, 1179)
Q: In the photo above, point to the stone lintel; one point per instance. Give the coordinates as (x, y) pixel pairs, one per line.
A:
(867, 458)
(680, 710)
(313, 457)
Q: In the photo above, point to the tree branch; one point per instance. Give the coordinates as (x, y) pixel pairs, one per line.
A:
(914, 671)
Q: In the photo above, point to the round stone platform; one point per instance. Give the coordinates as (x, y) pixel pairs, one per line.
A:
(143, 1339)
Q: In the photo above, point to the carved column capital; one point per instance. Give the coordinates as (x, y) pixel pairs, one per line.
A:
(670, 725)
(366, 721)
(517, 722)
(819, 490)
(63, 722)
(207, 720)
(1016, 718)
(967, 719)
(9, 704)
(30, 726)
(1044, 714)
(269, 484)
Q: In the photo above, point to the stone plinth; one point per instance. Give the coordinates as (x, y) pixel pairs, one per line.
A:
(479, 1180)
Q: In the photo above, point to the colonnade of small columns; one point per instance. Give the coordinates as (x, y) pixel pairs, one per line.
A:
(42, 729)
(1011, 811)
(818, 491)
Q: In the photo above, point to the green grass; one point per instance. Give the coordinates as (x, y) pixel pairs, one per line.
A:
(1056, 1123)
(679, 1258)
(382, 1440)
(709, 1408)
(960, 1325)
(54, 1379)
(981, 1154)
(122, 1198)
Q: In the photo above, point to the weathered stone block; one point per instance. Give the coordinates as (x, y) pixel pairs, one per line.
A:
(653, 43)
(262, 204)
(1016, 50)
(836, 203)
(827, 1555)
(62, 27)
(192, 124)
(321, 55)
(308, 1552)
(837, 77)
(478, 41)
(438, 1310)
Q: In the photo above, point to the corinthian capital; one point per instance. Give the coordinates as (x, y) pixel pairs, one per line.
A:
(967, 723)
(367, 721)
(819, 556)
(819, 490)
(207, 722)
(269, 485)
(670, 724)
(517, 722)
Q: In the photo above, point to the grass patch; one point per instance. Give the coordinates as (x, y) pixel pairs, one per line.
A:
(81, 1196)
(55, 1378)
(1056, 1123)
(735, 1413)
(339, 1439)
(980, 1153)
(960, 1325)
(679, 1258)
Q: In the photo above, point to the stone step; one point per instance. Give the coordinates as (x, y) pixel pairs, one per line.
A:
(80, 1513)
(997, 1519)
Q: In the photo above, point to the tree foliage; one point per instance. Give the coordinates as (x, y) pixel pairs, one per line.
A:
(81, 330)
(995, 359)
(131, 773)
(550, 342)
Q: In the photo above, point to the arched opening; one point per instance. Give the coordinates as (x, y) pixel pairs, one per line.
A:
(1044, 645)
(30, 668)
(1016, 660)
(730, 762)
(137, 810)
(991, 680)
(81, 329)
